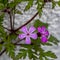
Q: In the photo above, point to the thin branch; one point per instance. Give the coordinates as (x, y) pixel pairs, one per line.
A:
(6, 28)
(10, 21)
(13, 16)
(27, 22)
(2, 52)
(47, 0)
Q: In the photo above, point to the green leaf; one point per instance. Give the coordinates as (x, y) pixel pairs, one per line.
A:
(41, 57)
(22, 53)
(0, 47)
(14, 3)
(29, 5)
(18, 12)
(1, 6)
(39, 23)
(47, 44)
(10, 49)
(30, 54)
(17, 1)
(1, 18)
(2, 32)
(5, 1)
(13, 36)
(53, 3)
(40, 5)
(53, 40)
(58, 3)
(50, 54)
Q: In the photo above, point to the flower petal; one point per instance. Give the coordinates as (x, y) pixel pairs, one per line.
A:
(44, 39)
(28, 41)
(34, 36)
(21, 36)
(32, 29)
(43, 28)
(39, 29)
(46, 33)
(24, 29)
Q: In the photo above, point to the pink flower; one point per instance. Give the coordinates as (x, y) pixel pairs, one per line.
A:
(44, 39)
(27, 34)
(43, 33)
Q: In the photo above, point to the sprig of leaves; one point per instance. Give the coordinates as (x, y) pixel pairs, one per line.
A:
(40, 5)
(29, 5)
(39, 23)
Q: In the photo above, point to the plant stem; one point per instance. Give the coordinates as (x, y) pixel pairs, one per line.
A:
(11, 21)
(47, 0)
(6, 28)
(13, 17)
(2, 52)
(27, 22)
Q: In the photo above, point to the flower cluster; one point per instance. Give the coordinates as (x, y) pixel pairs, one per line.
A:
(43, 33)
(30, 33)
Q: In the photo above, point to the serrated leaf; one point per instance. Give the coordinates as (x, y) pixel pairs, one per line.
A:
(40, 5)
(1, 18)
(1, 6)
(18, 12)
(29, 5)
(53, 4)
(18, 1)
(26, 46)
(47, 44)
(53, 40)
(10, 47)
(22, 53)
(41, 57)
(58, 3)
(2, 32)
(13, 36)
(19, 56)
(50, 54)
(0, 47)
(10, 50)
(14, 3)
(5, 1)
(30, 54)
(39, 23)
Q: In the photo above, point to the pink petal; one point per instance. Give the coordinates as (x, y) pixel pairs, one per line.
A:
(39, 29)
(28, 41)
(43, 28)
(32, 29)
(34, 36)
(24, 29)
(44, 39)
(22, 36)
(46, 33)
